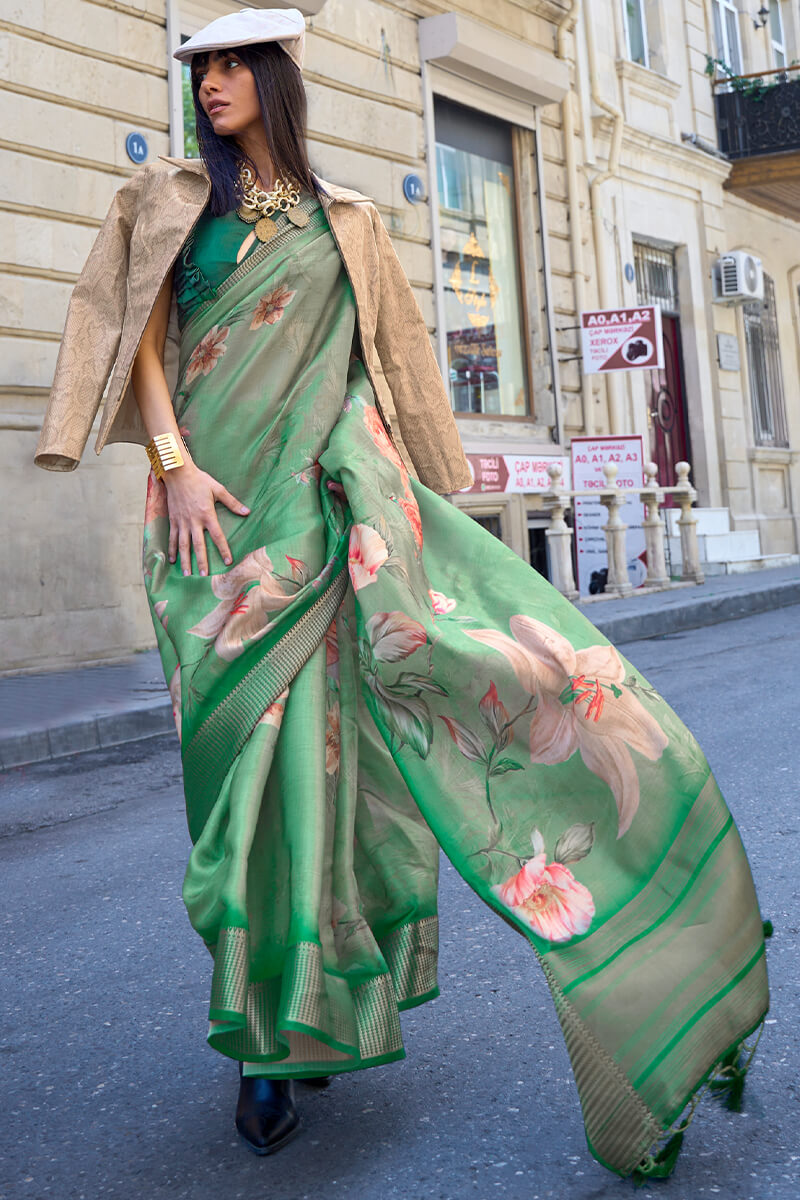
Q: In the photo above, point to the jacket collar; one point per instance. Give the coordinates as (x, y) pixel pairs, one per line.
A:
(328, 193)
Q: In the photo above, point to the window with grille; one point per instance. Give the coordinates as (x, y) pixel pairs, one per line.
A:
(656, 277)
(726, 34)
(764, 369)
(636, 31)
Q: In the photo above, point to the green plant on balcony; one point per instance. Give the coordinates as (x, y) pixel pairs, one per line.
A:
(752, 87)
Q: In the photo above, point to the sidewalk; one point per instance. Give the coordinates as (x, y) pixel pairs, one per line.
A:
(68, 712)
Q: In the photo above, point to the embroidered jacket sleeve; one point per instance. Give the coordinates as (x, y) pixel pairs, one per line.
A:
(94, 319)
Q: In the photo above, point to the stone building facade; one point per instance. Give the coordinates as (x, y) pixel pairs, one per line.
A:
(531, 158)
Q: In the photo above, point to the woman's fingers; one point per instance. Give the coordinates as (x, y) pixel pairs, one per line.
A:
(223, 495)
(219, 540)
(199, 542)
(185, 549)
(173, 541)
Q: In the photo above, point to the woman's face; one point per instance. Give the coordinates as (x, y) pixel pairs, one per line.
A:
(227, 93)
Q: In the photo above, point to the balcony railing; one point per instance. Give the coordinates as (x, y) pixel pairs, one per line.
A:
(758, 114)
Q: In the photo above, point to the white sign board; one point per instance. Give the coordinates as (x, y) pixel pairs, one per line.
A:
(514, 472)
(588, 456)
(622, 339)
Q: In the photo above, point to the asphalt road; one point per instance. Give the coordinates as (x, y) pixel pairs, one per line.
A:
(108, 1087)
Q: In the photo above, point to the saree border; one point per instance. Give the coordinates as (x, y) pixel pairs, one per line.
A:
(314, 1016)
(218, 740)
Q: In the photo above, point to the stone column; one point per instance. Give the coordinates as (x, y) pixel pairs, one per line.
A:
(559, 536)
(616, 535)
(652, 496)
(687, 525)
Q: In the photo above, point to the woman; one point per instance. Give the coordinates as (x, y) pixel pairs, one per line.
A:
(361, 674)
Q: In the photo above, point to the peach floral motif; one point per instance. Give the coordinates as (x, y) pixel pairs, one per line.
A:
(366, 555)
(549, 899)
(175, 695)
(332, 739)
(582, 704)
(411, 512)
(441, 604)
(379, 435)
(248, 593)
(270, 307)
(156, 502)
(332, 652)
(274, 714)
(160, 608)
(207, 353)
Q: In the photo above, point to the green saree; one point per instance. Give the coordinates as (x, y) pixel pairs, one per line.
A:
(376, 676)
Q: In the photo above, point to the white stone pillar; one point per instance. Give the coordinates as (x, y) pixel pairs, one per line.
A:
(652, 496)
(687, 525)
(559, 536)
(616, 535)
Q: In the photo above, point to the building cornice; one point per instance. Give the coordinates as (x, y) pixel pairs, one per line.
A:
(683, 154)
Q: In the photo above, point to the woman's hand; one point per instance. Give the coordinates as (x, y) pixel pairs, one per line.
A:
(191, 498)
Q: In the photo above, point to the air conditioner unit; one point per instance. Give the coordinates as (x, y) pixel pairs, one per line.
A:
(738, 277)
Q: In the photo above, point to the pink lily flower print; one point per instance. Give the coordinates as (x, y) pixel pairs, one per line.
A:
(247, 594)
(207, 353)
(270, 307)
(441, 604)
(366, 555)
(583, 704)
(549, 899)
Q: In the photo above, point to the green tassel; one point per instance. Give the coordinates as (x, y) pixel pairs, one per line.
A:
(662, 1165)
(768, 929)
(728, 1086)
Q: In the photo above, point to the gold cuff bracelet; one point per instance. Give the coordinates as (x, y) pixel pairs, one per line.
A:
(164, 454)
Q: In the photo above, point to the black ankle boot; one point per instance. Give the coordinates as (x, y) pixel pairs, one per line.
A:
(266, 1117)
(318, 1081)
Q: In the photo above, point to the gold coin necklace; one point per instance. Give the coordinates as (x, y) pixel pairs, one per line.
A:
(258, 207)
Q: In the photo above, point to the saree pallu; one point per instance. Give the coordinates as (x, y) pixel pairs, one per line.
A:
(376, 676)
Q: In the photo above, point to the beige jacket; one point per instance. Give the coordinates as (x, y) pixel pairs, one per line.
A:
(147, 224)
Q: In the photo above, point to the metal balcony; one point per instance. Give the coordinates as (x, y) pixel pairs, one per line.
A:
(759, 130)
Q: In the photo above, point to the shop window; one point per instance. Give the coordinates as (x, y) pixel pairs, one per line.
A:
(491, 523)
(484, 314)
(726, 34)
(636, 31)
(764, 369)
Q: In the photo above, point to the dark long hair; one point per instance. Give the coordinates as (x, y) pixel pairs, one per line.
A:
(283, 108)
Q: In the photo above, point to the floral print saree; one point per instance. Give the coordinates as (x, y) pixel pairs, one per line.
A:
(376, 677)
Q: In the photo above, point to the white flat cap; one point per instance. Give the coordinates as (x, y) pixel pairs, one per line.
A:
(286, 26)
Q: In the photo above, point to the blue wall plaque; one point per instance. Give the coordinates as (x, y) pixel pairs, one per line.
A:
(413, 189)
(136, 145)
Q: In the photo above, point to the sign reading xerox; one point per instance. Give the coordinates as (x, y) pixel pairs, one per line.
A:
(621, 339)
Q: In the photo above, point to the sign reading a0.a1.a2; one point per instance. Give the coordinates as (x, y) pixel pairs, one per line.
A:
(621, 339)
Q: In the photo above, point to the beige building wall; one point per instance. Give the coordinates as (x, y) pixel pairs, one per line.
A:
(598, 168)
(77, 76)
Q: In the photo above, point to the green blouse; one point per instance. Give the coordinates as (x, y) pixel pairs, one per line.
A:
(209, 256)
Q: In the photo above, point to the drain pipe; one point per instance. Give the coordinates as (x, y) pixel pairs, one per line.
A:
(174, 90)
(565, 27)
(607, 292)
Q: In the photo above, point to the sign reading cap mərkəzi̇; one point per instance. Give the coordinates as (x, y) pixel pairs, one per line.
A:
(622, 339)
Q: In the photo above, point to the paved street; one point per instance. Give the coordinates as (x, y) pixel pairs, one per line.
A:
(110, 1091)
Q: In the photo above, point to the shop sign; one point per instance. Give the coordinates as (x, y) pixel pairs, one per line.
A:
(514, 472)
(589, 454)
(622, 339)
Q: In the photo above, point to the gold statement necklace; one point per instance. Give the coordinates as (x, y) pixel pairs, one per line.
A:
(258, 206)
